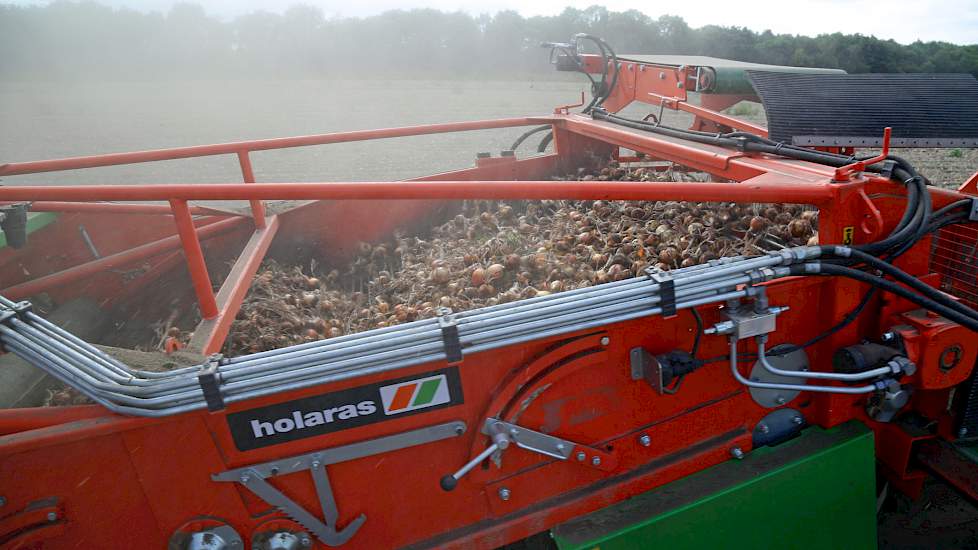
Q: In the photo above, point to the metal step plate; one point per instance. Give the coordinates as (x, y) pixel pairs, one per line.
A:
(840, 110)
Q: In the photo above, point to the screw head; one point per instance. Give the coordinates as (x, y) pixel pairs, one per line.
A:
(737, 453)
(316, 464)
(305, 541)
(798, 420)
(605, 340)
(763, 428)
(504, 493)
(581, 456)
(245, 478)
(780, 400)
(596, 461)
(52, 516)
(645, 440)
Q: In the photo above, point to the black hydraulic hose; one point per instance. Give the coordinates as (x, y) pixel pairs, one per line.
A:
(900, 276)
(818, 268)
(542, 146)
(911, 223)
(963, 204)
(519, 141)
(606, 88)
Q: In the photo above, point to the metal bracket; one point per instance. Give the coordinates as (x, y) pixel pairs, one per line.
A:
(254, 477)
(667, 291)
(449, 335)
(548, 445)
(503, 433)
(210, 383)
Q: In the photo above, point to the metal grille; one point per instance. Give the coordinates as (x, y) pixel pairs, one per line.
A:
(924, 110)
(955, 258)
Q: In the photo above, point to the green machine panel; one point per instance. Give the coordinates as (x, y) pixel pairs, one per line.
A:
(815, 491)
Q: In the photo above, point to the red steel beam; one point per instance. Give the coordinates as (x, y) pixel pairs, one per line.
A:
(210, 333)
(113, 159)
(126, 257)
(257, 207)
(118, 208)
(195, 258)
(806, 193)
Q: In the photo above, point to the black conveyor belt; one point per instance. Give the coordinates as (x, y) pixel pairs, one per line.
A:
(924, 110)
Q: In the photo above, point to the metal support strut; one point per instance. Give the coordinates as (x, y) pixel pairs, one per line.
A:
(255, 478)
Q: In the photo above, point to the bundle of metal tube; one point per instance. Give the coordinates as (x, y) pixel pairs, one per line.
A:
(112, 384)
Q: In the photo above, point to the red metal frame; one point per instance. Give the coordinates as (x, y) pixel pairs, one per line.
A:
(81, 455)
(666, 86)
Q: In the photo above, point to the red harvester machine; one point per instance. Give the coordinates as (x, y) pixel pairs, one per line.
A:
(551, 420)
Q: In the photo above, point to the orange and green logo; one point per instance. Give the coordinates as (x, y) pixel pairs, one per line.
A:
(415, 394)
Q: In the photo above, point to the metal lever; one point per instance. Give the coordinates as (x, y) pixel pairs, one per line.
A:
(505, 433)
(500, 441)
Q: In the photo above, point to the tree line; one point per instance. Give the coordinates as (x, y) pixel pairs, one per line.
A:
(89, 40)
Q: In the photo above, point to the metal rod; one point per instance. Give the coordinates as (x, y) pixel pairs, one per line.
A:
(113, 159)
(195, 259)
(428, 190)
(842, 377)
(257, 206)
(791, 387)
(113, 261)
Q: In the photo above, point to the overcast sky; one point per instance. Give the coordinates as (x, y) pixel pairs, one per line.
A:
(902, 20)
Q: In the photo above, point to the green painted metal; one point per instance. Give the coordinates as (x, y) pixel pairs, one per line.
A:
(815, 491)
(731, 75)
(35, 221)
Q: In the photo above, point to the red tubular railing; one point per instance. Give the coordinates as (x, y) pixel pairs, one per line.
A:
(809, 193)
(81, 199)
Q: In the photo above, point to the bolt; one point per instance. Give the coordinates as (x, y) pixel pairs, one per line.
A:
(560, 447)
(315, 464)
(763, 428)
(459, 430)
(581, 456)
(798, 420)
(888, 337)
(780, 400)
(513, 431)
(962, 432)
(737, 453)
(305, 541)
(504, 493)
(52, 516)
(245, 478)
(605, 340)
(662, 76)
(596, 461)
(645, 440)
(274, 471)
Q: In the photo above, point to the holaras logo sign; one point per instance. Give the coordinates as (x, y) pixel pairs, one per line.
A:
(330, 412)
(414, 395)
